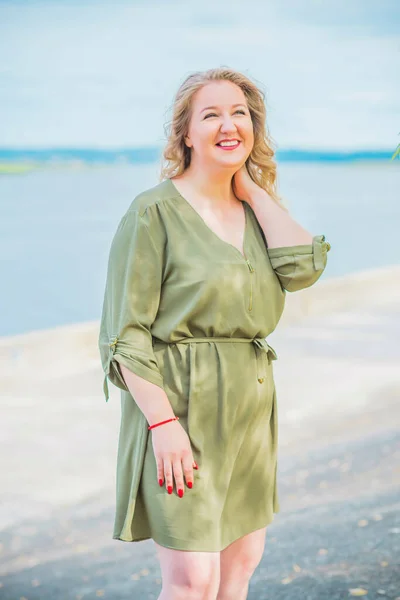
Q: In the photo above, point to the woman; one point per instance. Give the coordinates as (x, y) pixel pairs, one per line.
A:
(197, 276)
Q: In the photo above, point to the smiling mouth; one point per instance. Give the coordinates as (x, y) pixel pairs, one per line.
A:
(230, 146)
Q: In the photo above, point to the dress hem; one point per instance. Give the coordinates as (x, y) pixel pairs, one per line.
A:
(176, 545)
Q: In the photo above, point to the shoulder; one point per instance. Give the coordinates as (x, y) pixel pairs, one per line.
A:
(148, 215)
(150, 202)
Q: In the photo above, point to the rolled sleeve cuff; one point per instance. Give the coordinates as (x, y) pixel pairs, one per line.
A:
(300, 266)
(318, 247)
(116, 357)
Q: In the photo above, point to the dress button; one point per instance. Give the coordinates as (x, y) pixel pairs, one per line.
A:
(260, 379)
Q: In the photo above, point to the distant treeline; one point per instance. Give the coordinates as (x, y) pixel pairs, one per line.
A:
(153, 154)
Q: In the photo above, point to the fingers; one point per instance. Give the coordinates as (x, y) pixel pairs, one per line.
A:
(160, 471)
(169, 482)
(188, 464)
(177, 469)
(178, 474)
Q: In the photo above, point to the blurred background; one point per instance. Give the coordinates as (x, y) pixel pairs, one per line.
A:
(86, 89)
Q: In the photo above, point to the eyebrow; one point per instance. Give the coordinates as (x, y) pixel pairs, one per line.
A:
(233, 106)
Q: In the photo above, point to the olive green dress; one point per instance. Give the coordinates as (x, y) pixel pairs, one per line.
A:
(189, 312)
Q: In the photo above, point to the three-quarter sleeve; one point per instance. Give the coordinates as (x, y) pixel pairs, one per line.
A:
(298, 267)
(131, 300)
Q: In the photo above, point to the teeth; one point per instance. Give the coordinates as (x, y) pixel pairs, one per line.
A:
(233, 143)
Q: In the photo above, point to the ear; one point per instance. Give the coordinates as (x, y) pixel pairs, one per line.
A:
(187, 141)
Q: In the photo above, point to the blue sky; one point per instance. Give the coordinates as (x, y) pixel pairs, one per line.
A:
(93, 73)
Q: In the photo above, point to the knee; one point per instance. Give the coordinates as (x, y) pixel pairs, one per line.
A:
(191, 584)
(246, 563)
(241, 567)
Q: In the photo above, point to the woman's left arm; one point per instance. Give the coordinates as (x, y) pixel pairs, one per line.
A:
(297, 257)
(279, 228)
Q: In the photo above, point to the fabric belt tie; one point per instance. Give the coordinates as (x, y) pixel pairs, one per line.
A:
(264, 352)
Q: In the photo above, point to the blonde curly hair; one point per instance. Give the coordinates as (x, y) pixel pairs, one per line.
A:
(176, 155)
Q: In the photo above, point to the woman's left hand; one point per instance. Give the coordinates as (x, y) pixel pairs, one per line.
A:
(243, 185)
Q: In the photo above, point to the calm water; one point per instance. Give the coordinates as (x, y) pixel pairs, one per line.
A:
(56, 228)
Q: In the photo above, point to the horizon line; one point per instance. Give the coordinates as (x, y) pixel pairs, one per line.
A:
(149, 154)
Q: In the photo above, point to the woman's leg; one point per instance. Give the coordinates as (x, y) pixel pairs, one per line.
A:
(237, 564)
(188, 575)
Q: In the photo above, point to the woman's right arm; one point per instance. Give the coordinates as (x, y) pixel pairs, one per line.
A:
(131, 301)
(171, 444)
(151, 399)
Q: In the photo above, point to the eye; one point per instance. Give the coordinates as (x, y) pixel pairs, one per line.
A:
(241, 111)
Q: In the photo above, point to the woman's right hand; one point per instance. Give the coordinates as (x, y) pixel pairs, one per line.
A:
(174, 457)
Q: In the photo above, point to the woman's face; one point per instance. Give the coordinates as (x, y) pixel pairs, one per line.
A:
(220, 112)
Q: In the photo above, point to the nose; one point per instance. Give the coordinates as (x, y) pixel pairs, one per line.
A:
(228, 124)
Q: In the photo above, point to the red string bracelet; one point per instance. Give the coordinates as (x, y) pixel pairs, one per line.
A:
(162, 422)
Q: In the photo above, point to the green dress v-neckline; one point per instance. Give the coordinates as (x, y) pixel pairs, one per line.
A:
(200, 219)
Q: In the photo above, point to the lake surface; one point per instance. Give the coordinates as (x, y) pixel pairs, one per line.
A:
(56, 227)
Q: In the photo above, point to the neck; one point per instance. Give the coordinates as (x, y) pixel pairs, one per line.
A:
(212, 185)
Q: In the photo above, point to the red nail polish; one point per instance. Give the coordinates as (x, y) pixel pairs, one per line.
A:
(190, 484)
(160, 481)
(169, 489)
(196, 466)
(180, 493)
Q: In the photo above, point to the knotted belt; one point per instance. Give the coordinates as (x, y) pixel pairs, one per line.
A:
(264, 352)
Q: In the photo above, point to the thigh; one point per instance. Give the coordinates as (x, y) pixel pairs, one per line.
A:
(243, 554)
(182, 567)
